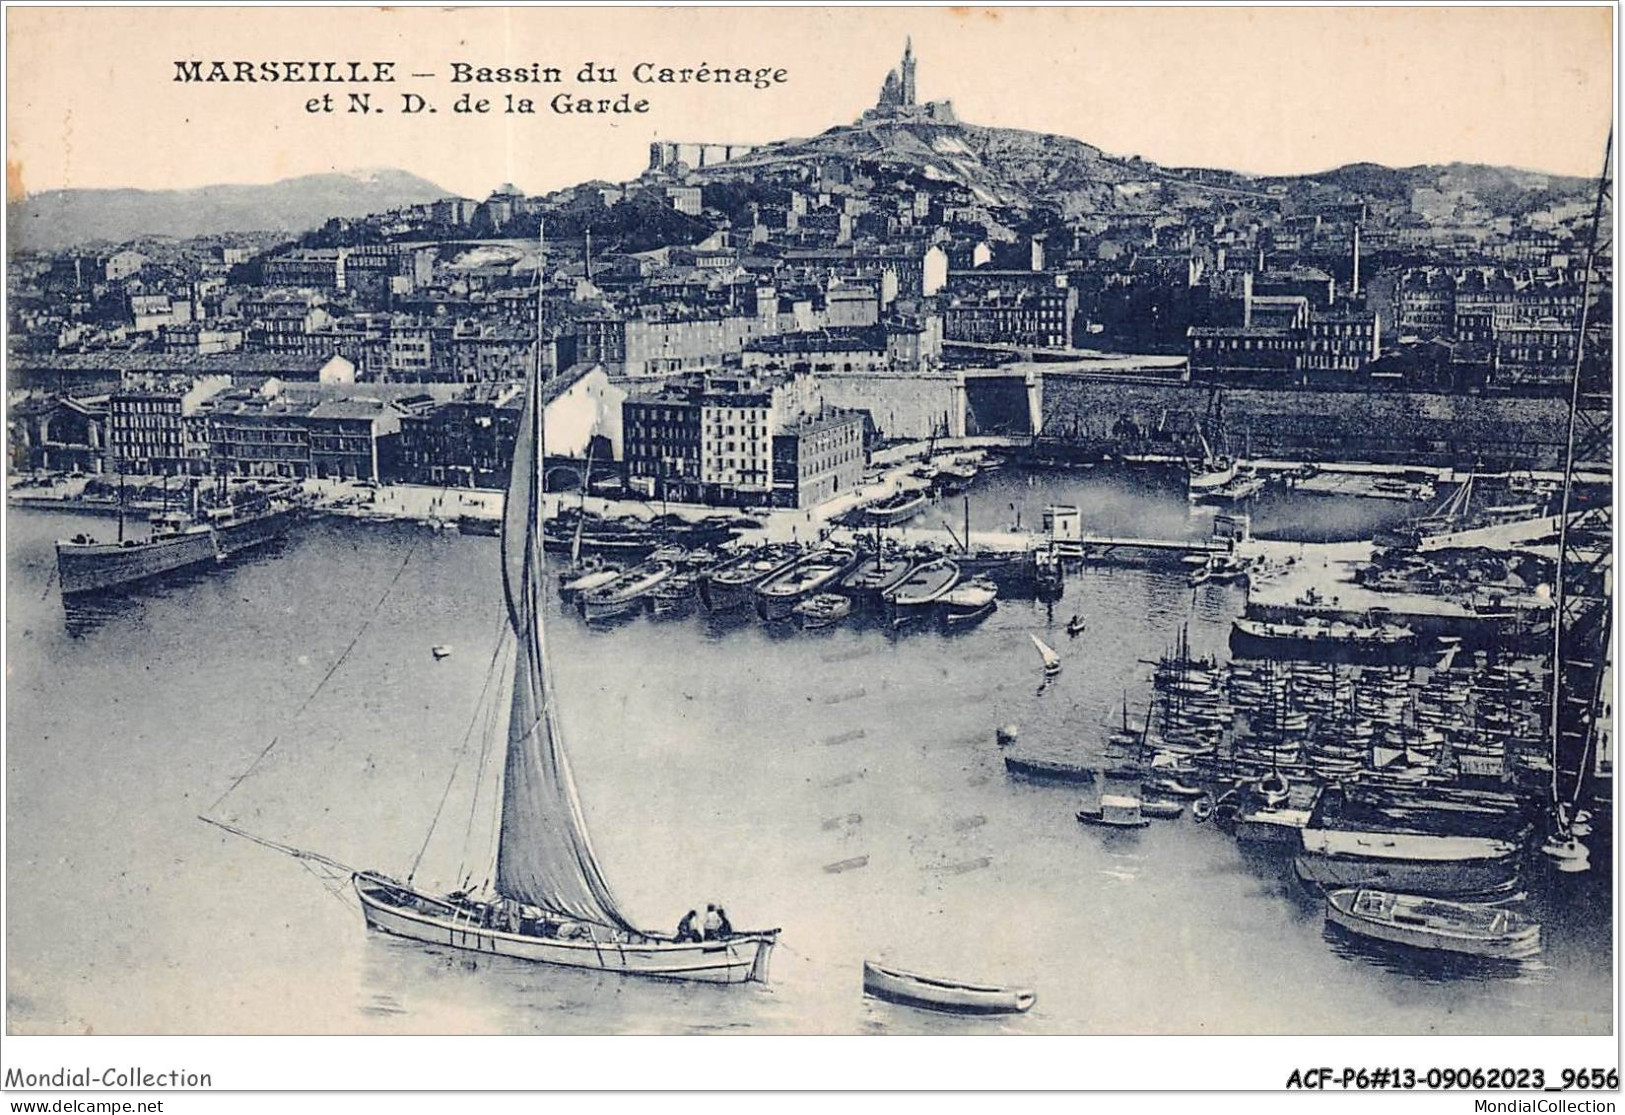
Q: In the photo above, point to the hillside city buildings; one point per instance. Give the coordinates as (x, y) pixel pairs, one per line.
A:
(711, 330)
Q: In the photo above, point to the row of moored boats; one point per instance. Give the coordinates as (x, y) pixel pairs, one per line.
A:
(814, 586)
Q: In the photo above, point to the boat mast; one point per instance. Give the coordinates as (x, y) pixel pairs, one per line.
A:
(121, 501)
(1572, 620)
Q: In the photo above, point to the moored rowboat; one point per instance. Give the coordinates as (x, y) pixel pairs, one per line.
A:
(933, 993)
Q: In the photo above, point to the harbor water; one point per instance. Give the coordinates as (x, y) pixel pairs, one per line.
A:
(843, 785)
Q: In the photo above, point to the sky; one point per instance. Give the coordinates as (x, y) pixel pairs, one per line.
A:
(93, 101)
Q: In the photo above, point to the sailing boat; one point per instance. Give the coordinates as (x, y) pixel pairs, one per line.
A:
(550, 902)
(1052, 661)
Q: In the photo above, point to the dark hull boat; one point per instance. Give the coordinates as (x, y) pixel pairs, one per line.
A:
(1441, 880)
(733, 583)
(914, 597)
(1048, 770)
(970, 602)
(896, 508)
(875, 576)
(478, 524)
(815, 571)
(1318, 641)
(628, 593)
(86, 566)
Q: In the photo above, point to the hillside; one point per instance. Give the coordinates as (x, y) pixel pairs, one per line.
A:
(64, 218)
(1011, 167)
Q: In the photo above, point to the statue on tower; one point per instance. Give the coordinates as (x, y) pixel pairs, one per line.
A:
(898, 97)
(898, 91)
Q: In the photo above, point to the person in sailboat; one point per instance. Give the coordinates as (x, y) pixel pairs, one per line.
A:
(725, 928)
(686, 930)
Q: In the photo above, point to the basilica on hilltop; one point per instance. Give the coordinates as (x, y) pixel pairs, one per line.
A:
(897, 101)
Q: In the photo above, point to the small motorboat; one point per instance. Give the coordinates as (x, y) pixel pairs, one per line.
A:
(825, 609)
(1075, 626)
(440, 651)
(1437, 924)
(933, 993)
(1116, 811)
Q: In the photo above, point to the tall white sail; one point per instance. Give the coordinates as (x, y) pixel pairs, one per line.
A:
(543, 855)
(1052, 661)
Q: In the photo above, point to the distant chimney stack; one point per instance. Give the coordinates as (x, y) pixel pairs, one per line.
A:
(1354, 286)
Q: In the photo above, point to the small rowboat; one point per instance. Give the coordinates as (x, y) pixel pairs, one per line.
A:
(441, 651)
(825, 609)
(914, 990)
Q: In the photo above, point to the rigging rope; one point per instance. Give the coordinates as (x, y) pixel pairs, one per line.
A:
(487, 739)
(333, 669)
(491, 672)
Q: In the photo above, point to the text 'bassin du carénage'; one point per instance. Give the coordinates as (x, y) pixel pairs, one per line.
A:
(364, 73)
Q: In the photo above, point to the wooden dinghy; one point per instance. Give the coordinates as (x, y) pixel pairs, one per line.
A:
(934, 993)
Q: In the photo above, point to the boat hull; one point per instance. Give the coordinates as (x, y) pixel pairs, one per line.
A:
(1100, 820)
(1249, 644)
(890, 515)
(1440, 880)
(1406, 847)
(740, 959)
(917, 597)
(734, 585)
(94, 567)
(929, 993)
(625, 596)
(777, 597)
(875, 577)
(1518, 944)
(1048, 770)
